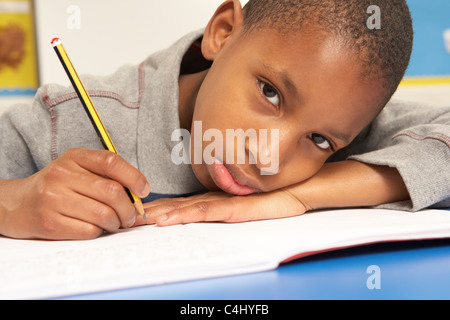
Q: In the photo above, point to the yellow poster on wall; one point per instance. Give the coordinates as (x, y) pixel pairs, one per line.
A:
(18, 58)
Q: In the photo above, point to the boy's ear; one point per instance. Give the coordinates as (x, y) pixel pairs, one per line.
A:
(226, 21)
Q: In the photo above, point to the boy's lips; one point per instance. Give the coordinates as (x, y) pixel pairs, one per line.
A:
(225, 181)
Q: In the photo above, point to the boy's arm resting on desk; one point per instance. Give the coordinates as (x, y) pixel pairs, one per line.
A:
(401, 162)
(340, 184)
(415, 140)
(350, 184)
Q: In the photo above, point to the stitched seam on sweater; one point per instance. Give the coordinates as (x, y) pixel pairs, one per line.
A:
(52, 103)
(54, 123)
(141, 81)
(433, 135)
(53, 147)
(102, 94)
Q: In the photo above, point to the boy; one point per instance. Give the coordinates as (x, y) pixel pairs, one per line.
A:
(311, 71)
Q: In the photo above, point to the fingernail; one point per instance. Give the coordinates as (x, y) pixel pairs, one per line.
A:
(133, 221)
(145, 192)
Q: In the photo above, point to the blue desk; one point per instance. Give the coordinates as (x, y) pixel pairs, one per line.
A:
(414, 270)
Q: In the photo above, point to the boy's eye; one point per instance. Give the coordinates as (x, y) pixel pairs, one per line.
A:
(320, 141)
(270, 93)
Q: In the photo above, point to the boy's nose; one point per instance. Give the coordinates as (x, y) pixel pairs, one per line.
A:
(264, 152)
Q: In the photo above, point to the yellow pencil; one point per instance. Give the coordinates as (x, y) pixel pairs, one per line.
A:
(91, 111)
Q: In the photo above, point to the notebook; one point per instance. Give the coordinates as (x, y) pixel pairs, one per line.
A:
(151, 255)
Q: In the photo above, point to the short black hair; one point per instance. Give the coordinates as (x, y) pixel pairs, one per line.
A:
(384, 52)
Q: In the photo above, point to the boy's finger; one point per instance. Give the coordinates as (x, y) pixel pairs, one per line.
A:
(91, 211)
(236, 209)
(97, 198)
(67, 228)
(209, 196)
(113, 166)
(79, 230)
(154, 210)
(107, 196)
(211, 211)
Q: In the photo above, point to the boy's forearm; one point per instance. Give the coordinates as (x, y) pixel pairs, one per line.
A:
(3, 196)
(350, 184)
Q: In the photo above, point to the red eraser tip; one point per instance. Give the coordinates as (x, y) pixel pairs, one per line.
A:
(56, 41)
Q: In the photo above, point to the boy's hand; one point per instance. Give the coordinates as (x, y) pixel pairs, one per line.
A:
(222, 207)
(77, 196)
(337, 185)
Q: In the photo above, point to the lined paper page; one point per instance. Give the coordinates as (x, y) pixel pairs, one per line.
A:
(151, 255)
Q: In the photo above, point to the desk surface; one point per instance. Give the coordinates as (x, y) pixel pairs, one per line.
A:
(407, 270)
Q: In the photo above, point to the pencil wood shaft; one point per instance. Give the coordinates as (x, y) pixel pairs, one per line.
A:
(91, 111)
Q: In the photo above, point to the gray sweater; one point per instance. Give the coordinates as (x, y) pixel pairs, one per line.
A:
(139, 107)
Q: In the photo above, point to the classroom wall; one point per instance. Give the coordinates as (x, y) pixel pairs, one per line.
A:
(111, 33)
(429, 71)
(101, 35)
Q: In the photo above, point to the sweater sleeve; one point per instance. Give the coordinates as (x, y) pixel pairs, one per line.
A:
(414, 139)
(15, 158)
(24, 139)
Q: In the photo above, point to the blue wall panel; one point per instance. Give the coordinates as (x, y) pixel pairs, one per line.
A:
(431, 18)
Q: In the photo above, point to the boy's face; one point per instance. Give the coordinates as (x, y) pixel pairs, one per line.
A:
(304, 91)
